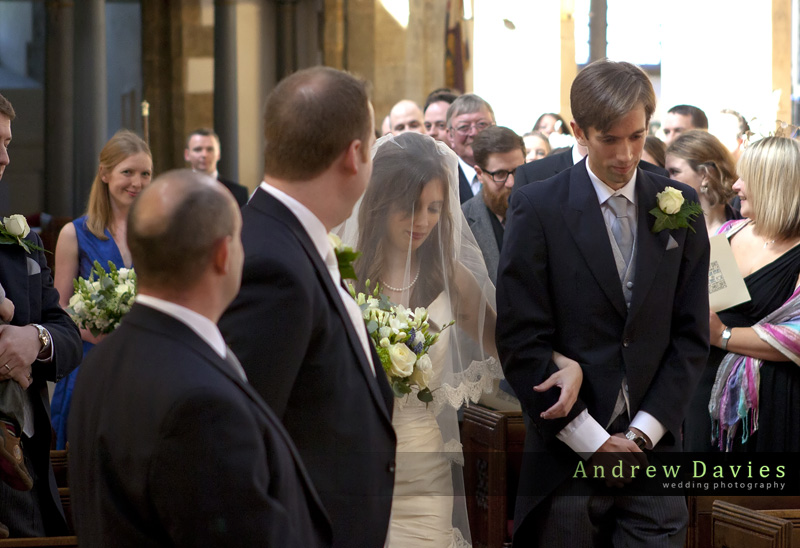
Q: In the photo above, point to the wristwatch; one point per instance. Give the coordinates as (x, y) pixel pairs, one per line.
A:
(44, 336)
(636, 438)
(726, 336)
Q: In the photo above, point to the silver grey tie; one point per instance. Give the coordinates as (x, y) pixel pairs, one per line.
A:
(621, 227)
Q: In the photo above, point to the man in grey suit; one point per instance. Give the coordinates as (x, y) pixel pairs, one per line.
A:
(498, 152)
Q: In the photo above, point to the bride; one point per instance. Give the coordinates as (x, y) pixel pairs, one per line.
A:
(416, 244)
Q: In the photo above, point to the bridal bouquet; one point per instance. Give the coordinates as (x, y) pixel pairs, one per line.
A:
(101, 300)
(402, 338)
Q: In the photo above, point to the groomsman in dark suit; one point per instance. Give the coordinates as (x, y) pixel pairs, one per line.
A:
(203, 153)
(170, 445)
(466, 117)
(300, 336)
(582, 273)
(40, 344)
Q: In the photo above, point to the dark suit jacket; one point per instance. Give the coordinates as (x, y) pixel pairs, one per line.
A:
(553, 165)
(169, 447)
(464, 189)
(292, 333)
(36, 301)
(239, 191)
(558, 289)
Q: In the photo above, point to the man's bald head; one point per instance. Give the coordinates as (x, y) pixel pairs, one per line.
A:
(406, 116)
(175, 225)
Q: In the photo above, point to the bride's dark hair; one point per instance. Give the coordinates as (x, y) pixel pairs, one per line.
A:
(400, 172)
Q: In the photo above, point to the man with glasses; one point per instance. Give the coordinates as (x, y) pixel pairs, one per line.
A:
(466, 117)
(498, 152)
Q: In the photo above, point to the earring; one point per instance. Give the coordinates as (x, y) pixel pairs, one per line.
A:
(704, 188)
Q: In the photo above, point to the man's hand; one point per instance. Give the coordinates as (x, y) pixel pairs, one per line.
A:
(619, 454)
(569, 378)
(19, 347)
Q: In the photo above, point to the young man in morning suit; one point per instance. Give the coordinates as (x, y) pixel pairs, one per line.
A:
(628, 305)
(300, 336)
(40, 344)
(170, 446)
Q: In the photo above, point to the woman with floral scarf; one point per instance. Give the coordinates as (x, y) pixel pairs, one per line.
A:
(751, 386)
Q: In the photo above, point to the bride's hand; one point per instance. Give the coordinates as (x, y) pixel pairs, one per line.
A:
(569, 378)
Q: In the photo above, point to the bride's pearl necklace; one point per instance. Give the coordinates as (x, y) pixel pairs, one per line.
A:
(401, 289)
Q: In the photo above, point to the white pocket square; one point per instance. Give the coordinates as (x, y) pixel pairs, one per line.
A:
(671, 243)
(33, 267)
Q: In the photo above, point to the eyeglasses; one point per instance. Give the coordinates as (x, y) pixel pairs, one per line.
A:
(500, 175)
(463, 129)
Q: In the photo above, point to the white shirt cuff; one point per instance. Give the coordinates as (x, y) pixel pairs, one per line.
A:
(584, 435)
(650, 426)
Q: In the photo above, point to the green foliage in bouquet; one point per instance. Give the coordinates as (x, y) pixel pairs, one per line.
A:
(101, 300)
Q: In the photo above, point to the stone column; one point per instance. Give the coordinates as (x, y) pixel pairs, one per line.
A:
(59, 144)
(225, 89)
(91, 96)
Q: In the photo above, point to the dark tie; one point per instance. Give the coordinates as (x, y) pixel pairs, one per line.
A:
(621, 227)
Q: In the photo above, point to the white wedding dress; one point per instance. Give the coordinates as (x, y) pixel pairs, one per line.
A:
(424, 498)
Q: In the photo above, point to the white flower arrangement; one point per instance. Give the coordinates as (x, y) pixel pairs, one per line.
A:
(402, 339)
(101, 300)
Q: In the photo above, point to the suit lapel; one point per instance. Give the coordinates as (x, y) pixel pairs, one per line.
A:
(584, 219)
(278, 210)
(14, 277)
(650, 247)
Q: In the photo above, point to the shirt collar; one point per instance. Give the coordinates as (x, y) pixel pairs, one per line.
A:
(311, 224)
(576, 155)
(469, 171)
(604, 192)
(204, 327)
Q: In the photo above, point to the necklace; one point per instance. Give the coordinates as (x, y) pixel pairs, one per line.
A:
(401, 289)
(772, 241)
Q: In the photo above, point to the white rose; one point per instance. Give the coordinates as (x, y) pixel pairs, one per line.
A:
(16, 225)
(77, 306)
(385, 342)
(121, 289)
(670, 201)
(424, 363)
(384, 332)
(402, 360)
(421, 378)
(336, 241)
(123, 274)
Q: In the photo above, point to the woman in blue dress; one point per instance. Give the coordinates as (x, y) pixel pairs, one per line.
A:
(125, 169)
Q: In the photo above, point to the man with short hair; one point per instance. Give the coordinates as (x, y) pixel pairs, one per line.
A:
(498, 153)
(435, 112)
(731, 129)
(406, 116)
(583, 273)
(203, 153)
(467, 116)
(682, 118)
(199, 459)
(39, 344)
(298, 332)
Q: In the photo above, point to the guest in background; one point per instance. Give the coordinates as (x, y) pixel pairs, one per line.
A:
(40, 344)
(700, 160)
(536, 146)
(203, 154)
(751, 384)
(436, 105)
(467, 116)
(682, 118)
(731, 129)
(655, 151)
(406, 116)
(550, 122)
(170, 444)
(498, 153)
(99, 235)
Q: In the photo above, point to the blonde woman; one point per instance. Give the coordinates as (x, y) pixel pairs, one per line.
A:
(125, 168)
(751, 384)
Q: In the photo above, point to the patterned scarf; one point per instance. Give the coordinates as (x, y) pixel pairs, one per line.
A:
(734, 397)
